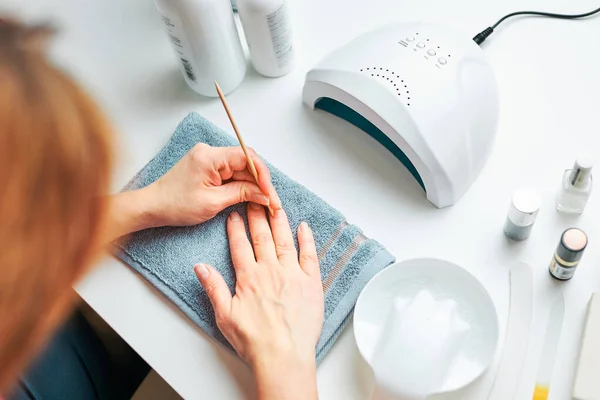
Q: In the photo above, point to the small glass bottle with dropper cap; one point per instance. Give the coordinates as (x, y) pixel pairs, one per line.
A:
(576, 188)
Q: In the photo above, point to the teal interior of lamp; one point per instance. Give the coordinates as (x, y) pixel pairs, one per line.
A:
(346, 113)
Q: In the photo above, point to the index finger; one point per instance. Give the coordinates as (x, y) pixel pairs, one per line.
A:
(242, 254)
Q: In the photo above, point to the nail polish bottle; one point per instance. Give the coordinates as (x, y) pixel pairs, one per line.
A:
(568, 253)
(576, 188)
(522, 213)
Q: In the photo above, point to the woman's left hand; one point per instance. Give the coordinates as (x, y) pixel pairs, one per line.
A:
(206, 181)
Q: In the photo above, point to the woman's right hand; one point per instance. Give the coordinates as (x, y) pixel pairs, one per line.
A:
(276, 316)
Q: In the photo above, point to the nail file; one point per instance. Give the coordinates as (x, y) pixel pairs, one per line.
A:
(548, 357)
(516, 341)
(585, 386)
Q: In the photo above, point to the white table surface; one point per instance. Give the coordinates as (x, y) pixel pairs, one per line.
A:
(547, 73)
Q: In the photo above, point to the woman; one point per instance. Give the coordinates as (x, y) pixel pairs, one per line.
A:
(55, 161)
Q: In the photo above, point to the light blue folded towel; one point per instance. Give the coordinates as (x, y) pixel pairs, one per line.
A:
(166, 256)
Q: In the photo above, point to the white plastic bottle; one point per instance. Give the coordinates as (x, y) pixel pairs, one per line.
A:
(206, 43)
(268, 32)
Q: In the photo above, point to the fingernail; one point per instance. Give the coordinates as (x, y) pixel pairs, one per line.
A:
(303, 227)
(201, 270)
(259, 198)
(279, 213)
(276, 199)
(255, 206)
(235, 216)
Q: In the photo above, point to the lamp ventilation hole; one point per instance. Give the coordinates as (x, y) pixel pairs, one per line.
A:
(392, 79)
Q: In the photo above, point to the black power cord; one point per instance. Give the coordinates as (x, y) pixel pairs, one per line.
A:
(481, 36)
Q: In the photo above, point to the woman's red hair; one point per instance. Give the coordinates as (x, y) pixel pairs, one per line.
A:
(54, 167)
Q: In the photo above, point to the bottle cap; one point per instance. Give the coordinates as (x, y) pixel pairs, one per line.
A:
(572, 243)
(524, 207)
(582, 170)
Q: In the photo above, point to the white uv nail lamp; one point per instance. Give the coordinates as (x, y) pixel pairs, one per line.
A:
(422, 90)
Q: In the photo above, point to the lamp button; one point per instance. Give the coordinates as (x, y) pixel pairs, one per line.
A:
(410, 39)
(431, 52)
(442, 61)
(420, 45)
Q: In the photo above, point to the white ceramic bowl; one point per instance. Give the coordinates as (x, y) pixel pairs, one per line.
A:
(445, 281)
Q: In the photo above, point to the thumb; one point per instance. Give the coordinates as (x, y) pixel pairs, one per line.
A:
(241, 191)
(215, 287)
